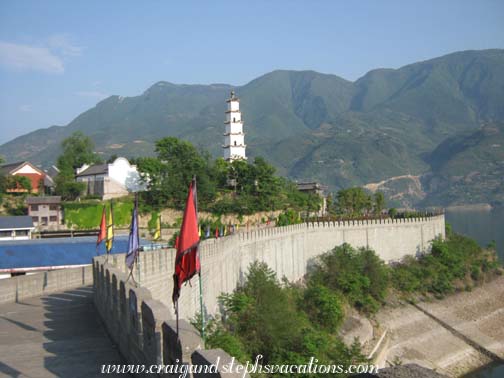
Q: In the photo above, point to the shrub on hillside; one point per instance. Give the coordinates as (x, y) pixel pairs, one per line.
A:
(359, 274)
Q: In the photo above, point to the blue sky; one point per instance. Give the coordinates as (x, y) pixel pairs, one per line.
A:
(59, 58)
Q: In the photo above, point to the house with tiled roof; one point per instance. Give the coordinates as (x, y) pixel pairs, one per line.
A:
(111, 180)
(36, 176)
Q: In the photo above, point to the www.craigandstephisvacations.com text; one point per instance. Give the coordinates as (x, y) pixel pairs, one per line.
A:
(233, 366)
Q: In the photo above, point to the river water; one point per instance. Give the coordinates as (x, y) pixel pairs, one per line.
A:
(483, 226)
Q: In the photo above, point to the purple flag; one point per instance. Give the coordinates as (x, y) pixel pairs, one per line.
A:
(133, 242)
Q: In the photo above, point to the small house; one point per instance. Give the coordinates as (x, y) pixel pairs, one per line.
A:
(46, 212)
(112, 180)
(16, 227)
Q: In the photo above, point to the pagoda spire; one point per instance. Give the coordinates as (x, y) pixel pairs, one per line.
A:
(234, 137)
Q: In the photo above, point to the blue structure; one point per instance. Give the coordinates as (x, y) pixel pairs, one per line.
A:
(31, 255)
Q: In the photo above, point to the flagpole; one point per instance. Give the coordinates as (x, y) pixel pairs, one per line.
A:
(113, 221)
(177, 315)
(202, 311)
(199, 274)
(138, 237)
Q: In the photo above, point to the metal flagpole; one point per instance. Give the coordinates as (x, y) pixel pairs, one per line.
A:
(177, 315)
(138, 237)
(199, 274)
(202, 311)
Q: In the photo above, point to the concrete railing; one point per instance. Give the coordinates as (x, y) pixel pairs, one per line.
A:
(143, 327)
(21, 287)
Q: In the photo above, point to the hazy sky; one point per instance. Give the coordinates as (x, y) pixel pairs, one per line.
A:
(59, 58)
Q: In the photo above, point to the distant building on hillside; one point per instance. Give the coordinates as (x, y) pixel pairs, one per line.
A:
(110, 180)
(16, 227)
(24, 169)
(50, 178)
(315, 188)
(46, 212)
(234, 138)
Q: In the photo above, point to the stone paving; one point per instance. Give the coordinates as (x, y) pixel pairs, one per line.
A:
(57, 335)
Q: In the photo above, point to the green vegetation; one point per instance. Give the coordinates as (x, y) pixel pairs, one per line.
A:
(18, 182)
(78, 150)
(322, 127)
(455, 264)
(15, 204)
(237, 187)
(87, 214)
(358, 274)
(355, 202)
(286, 324)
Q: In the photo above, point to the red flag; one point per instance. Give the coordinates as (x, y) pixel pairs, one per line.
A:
(102, 235)
(187, 262)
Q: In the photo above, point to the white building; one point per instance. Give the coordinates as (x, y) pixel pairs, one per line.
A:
(16, 227)
(110, 180)
(234, 138)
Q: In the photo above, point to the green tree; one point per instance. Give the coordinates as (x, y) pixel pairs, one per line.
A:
(285, 323)
(18, 182)
(359, 274)
(324, 307)
(168, 178)
(78, 149)
(353, 202)
(379, 203)
(392, 212)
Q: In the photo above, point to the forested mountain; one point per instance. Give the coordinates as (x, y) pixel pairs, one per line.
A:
(439, 121)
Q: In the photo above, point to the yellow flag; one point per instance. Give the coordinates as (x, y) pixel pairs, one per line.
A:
(157, 233)
(110, 231)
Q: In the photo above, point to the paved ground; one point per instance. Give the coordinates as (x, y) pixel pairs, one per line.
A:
(58, 335)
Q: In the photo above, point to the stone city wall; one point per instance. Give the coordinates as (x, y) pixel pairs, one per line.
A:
(143, 328)
(287, 250)
(140, 318)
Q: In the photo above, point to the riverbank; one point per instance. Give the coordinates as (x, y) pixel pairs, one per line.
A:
(453, 336)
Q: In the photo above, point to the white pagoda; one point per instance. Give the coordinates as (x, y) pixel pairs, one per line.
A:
(234, 138)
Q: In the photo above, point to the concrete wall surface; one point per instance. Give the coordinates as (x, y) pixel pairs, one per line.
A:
(139, 314)
(18, 288)
(287, 250)
(144, 330)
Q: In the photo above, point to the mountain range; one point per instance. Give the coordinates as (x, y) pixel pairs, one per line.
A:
(427, 134)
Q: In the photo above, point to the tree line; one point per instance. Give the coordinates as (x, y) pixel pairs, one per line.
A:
(223, 187)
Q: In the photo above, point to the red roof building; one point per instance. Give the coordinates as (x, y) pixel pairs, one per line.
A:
(25, 169)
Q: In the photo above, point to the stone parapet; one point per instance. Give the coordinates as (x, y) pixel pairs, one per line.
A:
(18, 288)
(142, 327)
